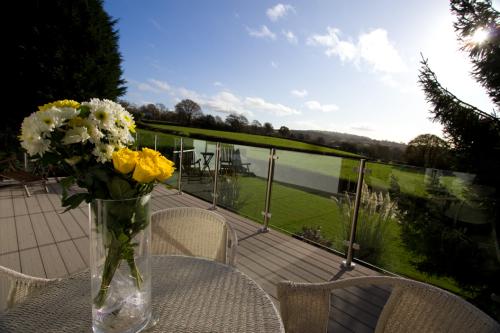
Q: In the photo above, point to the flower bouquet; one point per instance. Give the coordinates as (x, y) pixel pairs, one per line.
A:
(90, 141)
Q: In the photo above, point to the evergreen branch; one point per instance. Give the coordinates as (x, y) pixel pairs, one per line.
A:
(434, 91)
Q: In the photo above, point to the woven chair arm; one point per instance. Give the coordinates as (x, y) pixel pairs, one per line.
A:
(233, 249)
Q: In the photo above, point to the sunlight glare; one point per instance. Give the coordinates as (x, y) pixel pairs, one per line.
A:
(480, 35)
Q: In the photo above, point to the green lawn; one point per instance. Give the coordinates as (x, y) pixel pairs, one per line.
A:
(293, 207)
(245, 138)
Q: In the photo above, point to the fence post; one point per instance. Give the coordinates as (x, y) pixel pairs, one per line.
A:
(25, 162)
(179, 175)
(216, 172)
(270, 178)
(156, 140)
(348, 264)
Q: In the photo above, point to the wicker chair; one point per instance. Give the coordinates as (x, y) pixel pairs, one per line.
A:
(15, 287)
(411, 307)
(194, 232)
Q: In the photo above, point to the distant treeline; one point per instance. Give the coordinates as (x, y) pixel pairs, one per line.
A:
(418, 152)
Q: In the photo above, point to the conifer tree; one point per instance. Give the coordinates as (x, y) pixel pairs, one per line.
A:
(60, 50)
(473, 134)
(474, 137)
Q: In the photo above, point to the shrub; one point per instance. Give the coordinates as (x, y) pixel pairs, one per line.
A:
(376, 211)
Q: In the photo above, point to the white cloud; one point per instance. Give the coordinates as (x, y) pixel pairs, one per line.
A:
(258, 104)
(160, 85)
(290, 36)
(317, 106)
(372, 48)
(224, 102)
(299, 93)
(186, 93)
(279, 11)
(264, 32)
(274, 64)
(218, 84)
(153, 85)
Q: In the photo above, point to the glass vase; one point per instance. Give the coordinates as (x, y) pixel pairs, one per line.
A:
(120, 264)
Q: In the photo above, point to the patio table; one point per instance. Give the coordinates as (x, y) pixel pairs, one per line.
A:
(188, 295)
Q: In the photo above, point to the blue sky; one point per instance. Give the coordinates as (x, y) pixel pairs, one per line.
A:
(346, 66)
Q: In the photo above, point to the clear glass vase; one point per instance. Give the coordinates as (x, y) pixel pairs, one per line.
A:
(120, 264)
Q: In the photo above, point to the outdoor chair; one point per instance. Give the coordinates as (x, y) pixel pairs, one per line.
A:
(15, 287)
(230, 161)
(412, 307)
(25, 178)
(191, 166)
(193, 232)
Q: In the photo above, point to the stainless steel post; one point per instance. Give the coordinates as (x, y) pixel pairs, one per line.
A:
(25, 162)
(216, 172)
(179, 167)
(348, 262)
(156, 139)
(270, 178)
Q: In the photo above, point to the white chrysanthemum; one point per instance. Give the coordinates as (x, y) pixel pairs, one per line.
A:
(32, 137)
(93, 130)
(49, 119)
(68, 112)
(35, 144)
(103, 152)
(75, 135)
(104, 112)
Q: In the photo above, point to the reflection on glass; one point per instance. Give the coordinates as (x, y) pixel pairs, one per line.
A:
(305, 191)
(440, 229)
(242, 179)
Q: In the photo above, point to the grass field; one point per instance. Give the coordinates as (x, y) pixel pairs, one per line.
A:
(293, 207)
(252, 139)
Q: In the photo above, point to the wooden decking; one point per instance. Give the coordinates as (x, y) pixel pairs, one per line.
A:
(36, 239)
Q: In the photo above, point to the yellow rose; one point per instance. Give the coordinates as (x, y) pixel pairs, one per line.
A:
(166, 168)
(151, 153)
(125, 160)
(145, 170)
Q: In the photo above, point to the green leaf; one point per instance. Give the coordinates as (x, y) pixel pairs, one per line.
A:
(119, 188)
(74, 201)
(66, 184)
(84, 111)
(100, 174)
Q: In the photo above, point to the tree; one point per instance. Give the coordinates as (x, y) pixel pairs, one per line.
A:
(428, 151)
(236, 121)
(473, 133)
(474, 138)
(256, 127)
(64, 50)
(284, 131)
(268, 129)
(187, 110)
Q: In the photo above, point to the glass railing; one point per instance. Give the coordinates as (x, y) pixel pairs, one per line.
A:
(242, 179)
(305, 193)
(431, 225)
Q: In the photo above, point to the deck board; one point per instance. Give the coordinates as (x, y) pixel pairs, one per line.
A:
(36, 238)
(26, 235)
(8, 235)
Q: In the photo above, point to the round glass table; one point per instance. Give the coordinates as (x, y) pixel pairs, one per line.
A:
(188, 295)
